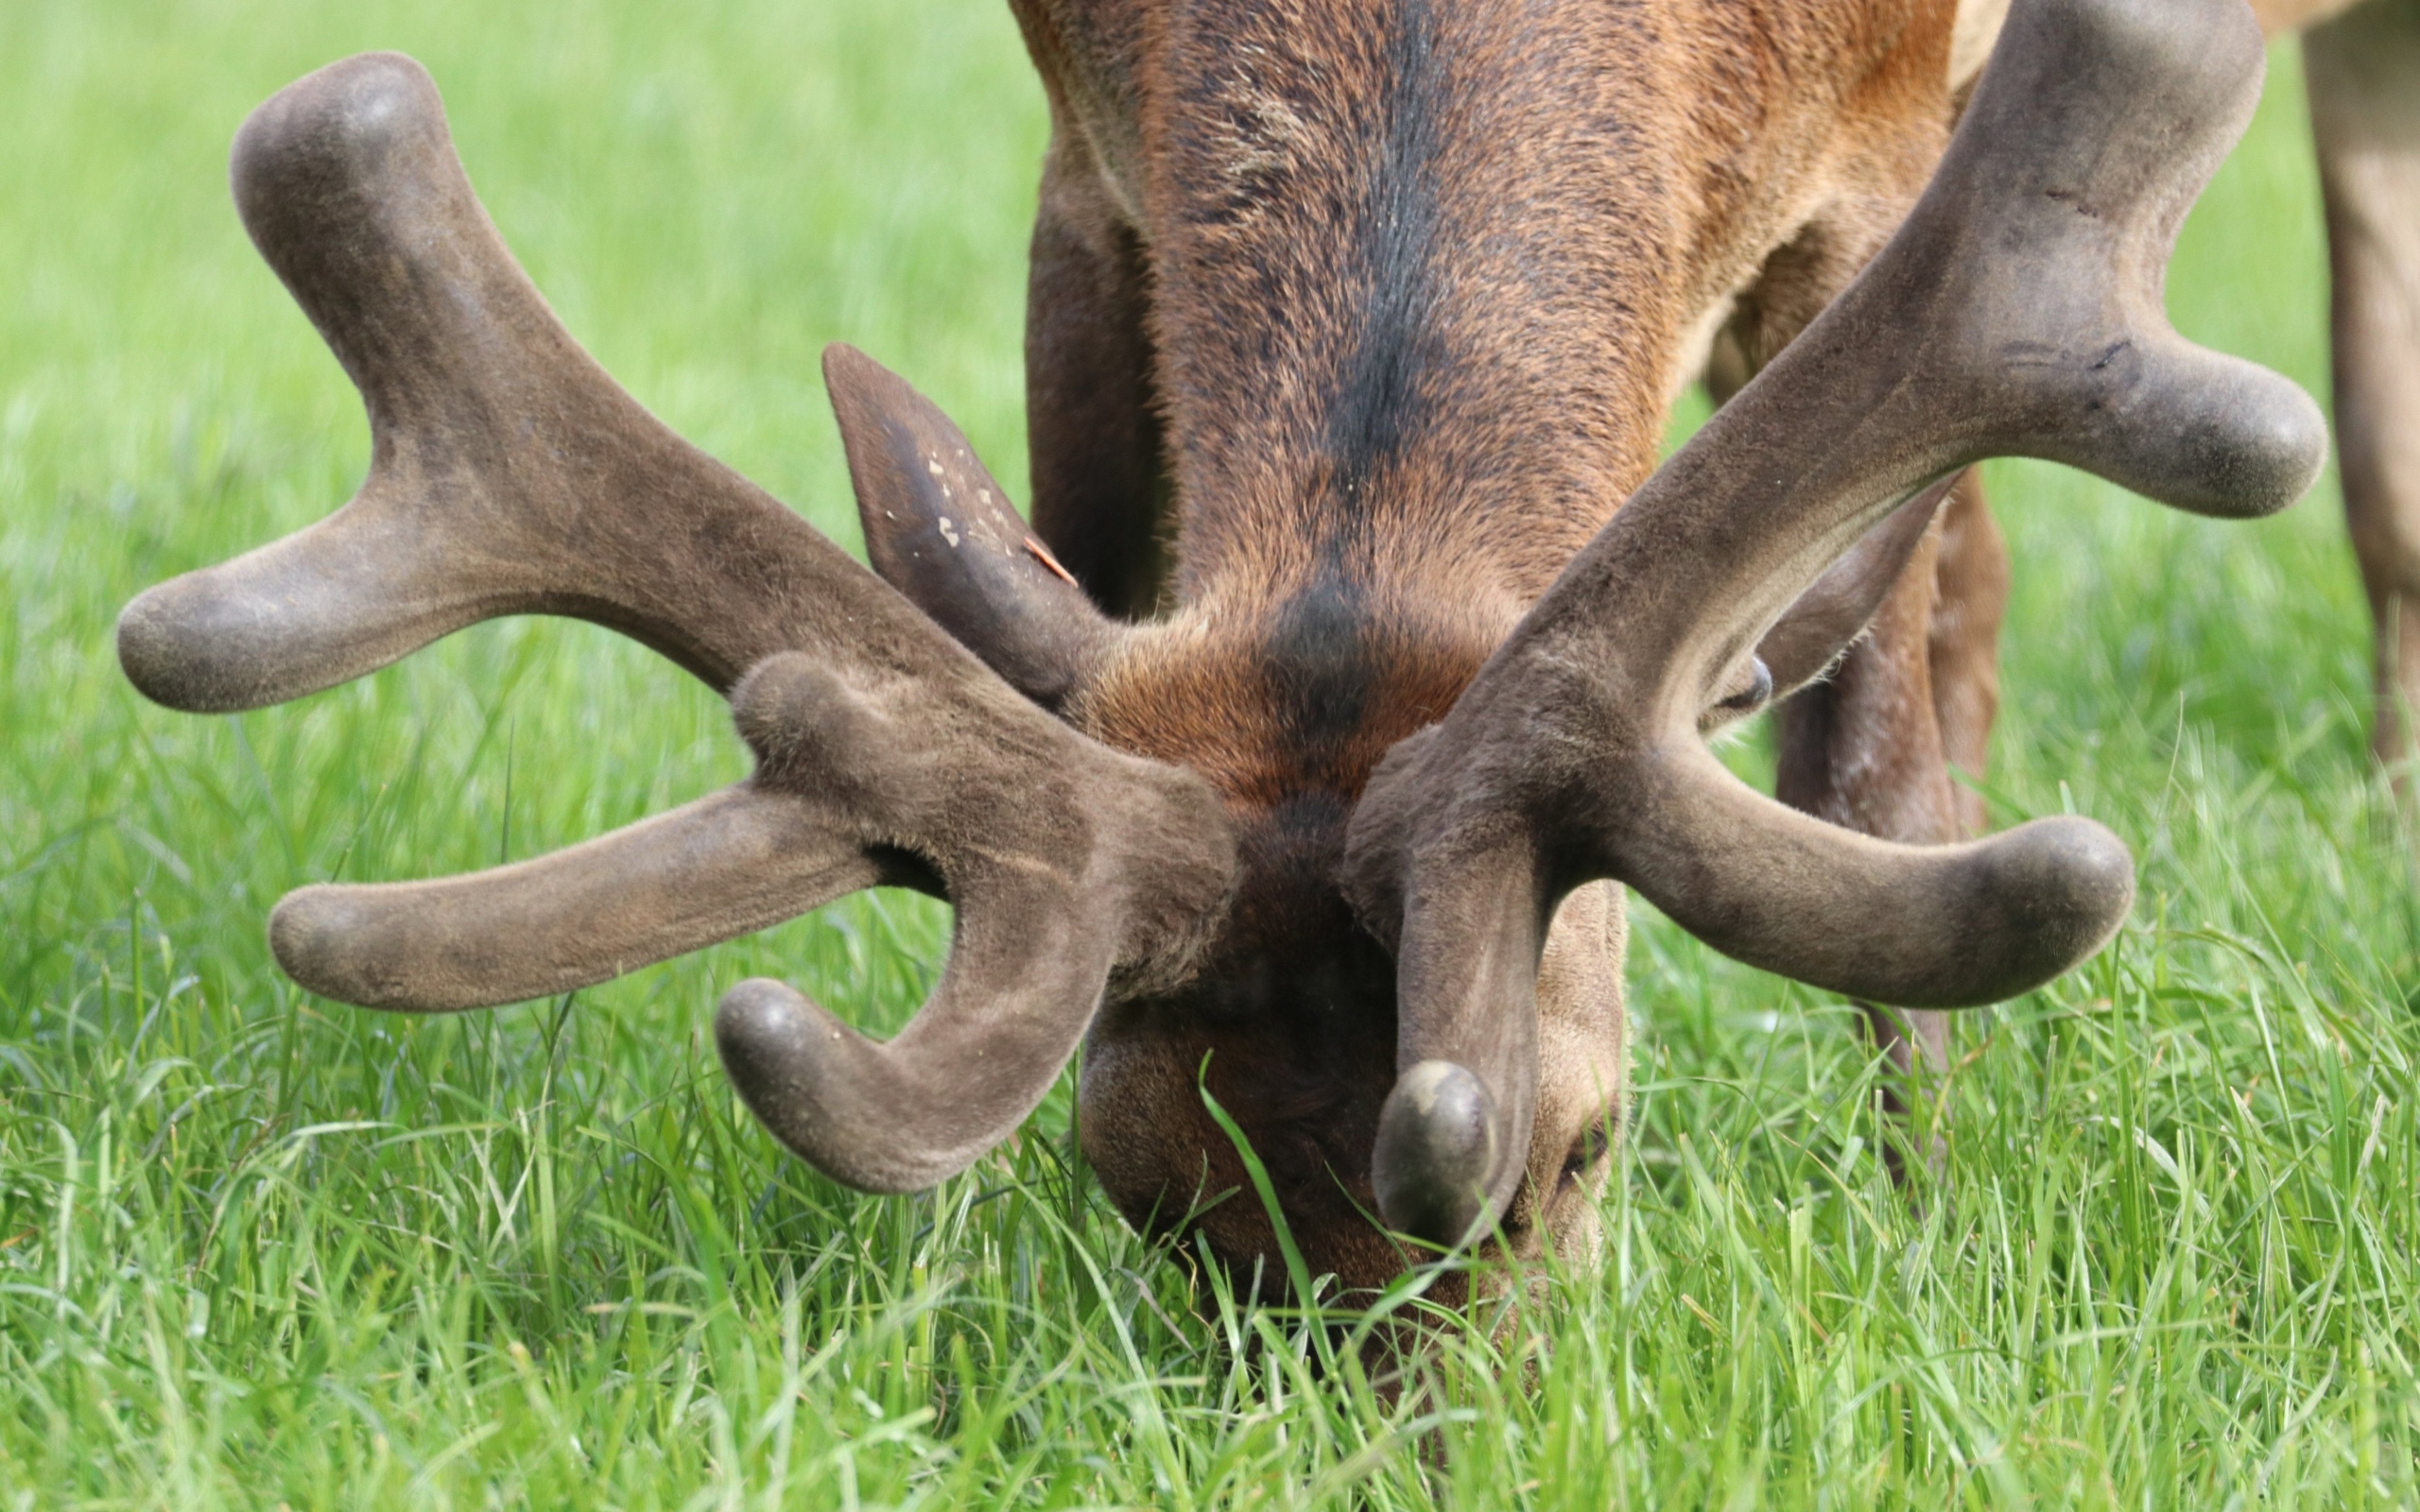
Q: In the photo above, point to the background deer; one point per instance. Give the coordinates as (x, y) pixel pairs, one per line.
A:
(1872, 747)
(1353, 323)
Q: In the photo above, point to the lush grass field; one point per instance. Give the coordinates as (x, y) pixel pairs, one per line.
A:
(259, 1249)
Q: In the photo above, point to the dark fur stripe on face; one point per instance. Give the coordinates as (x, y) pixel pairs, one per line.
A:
(1381, 398)
(1318, 656)
(1416, 277)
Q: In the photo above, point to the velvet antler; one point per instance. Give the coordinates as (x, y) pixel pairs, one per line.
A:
(2016, 313)
(509, 475)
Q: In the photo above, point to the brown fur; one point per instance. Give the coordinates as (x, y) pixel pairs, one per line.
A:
(1420, 278)
(2364, 71)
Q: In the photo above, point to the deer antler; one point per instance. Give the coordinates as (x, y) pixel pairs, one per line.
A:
(509, 475)
(2016, 313)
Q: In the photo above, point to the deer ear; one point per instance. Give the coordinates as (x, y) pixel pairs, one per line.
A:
(939, 530)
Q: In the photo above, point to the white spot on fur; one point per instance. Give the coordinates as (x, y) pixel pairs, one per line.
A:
(1264, 135)
(949, 532)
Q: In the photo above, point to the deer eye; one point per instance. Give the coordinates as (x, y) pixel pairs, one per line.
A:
(1593, 1142)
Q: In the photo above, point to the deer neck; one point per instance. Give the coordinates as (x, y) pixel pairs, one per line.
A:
(1424, 276)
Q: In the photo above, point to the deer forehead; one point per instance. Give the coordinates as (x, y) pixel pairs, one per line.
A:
(1302, 694)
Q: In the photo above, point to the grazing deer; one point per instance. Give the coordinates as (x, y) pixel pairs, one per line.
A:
(1315, 729)
(2363, 68)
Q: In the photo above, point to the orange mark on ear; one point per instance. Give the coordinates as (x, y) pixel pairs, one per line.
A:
(1041, 554)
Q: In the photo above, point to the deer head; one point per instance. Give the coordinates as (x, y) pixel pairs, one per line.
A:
(1408, 982)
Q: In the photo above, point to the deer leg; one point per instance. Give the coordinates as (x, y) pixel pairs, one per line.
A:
(1100, 488)
(1864, 750)
(1970, 579)
(1870, 747)
(2364, 71)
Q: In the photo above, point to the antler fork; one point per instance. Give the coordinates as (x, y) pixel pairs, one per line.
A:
(508, 474)
(2016, 313)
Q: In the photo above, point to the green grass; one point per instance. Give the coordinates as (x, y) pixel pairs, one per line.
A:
(257, 1249)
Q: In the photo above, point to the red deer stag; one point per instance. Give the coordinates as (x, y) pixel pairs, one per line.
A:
(1388, 297)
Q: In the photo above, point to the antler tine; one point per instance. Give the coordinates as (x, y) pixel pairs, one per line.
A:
(2016, 313)
(740, 860)
(1065, 861)
(509, 473)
